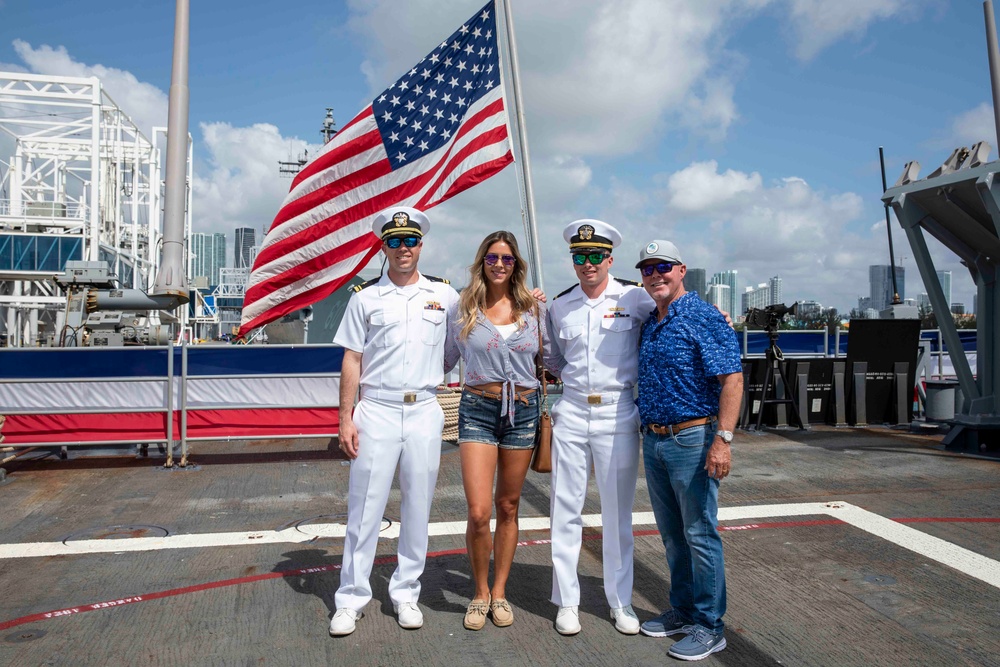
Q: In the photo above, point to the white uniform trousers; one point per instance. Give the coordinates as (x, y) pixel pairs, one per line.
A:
(607, 437)
(389, 433)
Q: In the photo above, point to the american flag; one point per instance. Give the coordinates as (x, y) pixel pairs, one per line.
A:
(438, 130)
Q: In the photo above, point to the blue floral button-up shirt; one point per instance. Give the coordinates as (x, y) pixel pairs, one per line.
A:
(679, 359)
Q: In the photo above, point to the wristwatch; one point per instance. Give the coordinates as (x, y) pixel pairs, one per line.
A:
(727, 436)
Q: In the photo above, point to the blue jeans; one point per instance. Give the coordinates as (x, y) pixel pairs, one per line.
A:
(686, 505)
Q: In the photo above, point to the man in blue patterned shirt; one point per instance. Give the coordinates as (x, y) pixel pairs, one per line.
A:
(690, 390)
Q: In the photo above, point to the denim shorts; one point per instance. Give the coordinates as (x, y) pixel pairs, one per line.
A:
(479, 420)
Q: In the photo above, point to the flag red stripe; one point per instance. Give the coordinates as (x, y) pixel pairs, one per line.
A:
(310, 266)
(320, 228)
(349, 181)
(326, 160)
(474, 177)
(496, 135)
(308, 297)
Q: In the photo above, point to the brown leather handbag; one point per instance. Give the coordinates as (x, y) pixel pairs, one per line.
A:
(541, 461)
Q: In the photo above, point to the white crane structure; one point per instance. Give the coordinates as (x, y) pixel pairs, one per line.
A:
(79, 181)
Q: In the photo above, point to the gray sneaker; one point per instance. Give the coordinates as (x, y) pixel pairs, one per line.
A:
(699, 643)
(668, 623)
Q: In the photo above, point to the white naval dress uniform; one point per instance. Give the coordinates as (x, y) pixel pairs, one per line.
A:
(594, 346)
(400, 332)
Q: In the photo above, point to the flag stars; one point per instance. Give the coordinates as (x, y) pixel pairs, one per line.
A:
(482, 51)
(485, 15)
(453, 82)
(403, 85)
(447, 98)
(489, 84)
(461, 102)
(394, 101)
(438, 115)
(447, 62)
(475, 69)
(408, 141)
(446, 134)
(401, 121)
(422, 146)
(426, 73)
(431, 130)
(400, 157)
(416, 126)
(393, 137)
(424, 110)
(410, 106)
(419, 90)
(455, 46)
(477, 33)
(387, 117)
(452, 119)
(467, 86)
(381, 98)
(439, 78)
(489, 34)
(460, 66)
(413, 71)
(464, 29)
(434, 56)
(468, 49)
(432, 94)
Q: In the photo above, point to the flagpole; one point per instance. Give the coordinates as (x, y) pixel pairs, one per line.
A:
(530, 228)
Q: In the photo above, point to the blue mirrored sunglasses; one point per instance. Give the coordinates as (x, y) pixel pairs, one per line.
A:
(493, 258)
(660, 267)
(409, 241)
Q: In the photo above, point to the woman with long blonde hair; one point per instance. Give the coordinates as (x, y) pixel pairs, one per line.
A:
(496, 329)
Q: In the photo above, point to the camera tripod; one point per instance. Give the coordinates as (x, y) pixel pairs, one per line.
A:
(775, 365)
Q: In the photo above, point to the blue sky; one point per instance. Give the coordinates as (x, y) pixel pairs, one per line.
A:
(745, 131)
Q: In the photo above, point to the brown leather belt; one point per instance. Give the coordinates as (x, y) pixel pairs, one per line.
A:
(671, 429)
(521, 396)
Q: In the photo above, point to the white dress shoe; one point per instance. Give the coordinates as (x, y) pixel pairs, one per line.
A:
(626, 622)
(568, 621)
(343, 622)
(409, 616)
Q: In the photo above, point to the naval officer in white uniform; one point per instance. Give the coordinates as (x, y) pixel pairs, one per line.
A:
(593, 347)
(393, 334)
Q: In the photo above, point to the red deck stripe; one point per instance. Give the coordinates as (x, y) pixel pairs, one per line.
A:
(388, 560)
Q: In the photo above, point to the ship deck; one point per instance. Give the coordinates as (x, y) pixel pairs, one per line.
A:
(843, 547)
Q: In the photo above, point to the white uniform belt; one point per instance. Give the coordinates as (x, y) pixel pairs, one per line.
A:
(597, 398)
(415, 396)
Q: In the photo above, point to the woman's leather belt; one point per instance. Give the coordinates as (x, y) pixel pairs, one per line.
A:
(671, 429)
(521, 395)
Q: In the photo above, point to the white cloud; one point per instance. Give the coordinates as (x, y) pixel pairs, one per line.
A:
(699, 187)
(974, 125)
(238, 185)
(817, 24)
(143, 102)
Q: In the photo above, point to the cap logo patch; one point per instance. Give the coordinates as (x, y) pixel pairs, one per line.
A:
(401, 219)
(586, 232)
(651, 248)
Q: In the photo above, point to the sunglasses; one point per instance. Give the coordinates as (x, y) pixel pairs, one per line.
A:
(408, 241)
(595, 258)
(661, 267)
(493, 258)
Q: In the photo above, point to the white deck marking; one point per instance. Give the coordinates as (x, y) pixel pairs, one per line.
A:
(961, 559)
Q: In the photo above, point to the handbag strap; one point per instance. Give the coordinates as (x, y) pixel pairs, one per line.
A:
(541, 356)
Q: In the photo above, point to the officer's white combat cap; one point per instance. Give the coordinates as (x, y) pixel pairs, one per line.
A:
(589, 233)
(399, 221)
(662, 250)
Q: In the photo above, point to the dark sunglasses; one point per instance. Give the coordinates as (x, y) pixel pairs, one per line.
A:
(409, 241)
(595, 258)
(661, 267)
(493, 258)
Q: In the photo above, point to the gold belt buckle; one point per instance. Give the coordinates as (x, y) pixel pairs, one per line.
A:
(594, 399)
(410, 397)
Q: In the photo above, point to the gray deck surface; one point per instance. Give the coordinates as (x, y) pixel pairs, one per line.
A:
(808, 591)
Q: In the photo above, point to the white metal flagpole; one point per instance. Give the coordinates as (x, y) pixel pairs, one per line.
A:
(530, 228)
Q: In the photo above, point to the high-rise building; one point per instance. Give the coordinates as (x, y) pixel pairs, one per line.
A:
(880, 285)
(731, 279)
(756, 297)
(958, 309)
(208, 255)
(808, 309)
(245, 240)
(694, 281)
(944, 277)
(718, 296)
(774, 286)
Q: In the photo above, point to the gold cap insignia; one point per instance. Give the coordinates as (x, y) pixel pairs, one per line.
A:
(401, 219)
